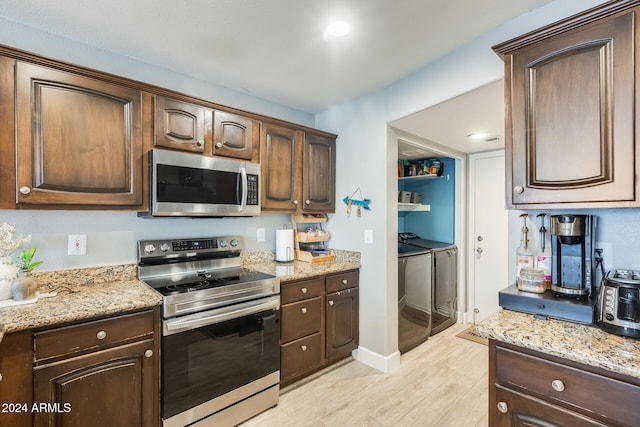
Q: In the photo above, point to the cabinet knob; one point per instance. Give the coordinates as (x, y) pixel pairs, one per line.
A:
(295, 202)
(502, 407)
(307, 202)
(330, 302)
(148, 353)
(101, 335)
(200, 143)
(345, 281)
(0, 377)
(303, 290)
(557, 385)
(303, 347)
(518, 189)
(218, 144)
(303, 310)
(25, 190)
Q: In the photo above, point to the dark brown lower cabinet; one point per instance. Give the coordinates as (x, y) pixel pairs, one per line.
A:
(319, 323)
(16, 364)
(111, 387)
(529, 388)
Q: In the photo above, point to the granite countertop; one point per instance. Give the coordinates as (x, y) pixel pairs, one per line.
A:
(101, 291)
(81, 294)
(298, 270)
(588, 345)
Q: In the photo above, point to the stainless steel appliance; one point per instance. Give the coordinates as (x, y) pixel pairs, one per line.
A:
(572, 254)
(444, 279)
(619, 303)
(220, 331)
(192, 185)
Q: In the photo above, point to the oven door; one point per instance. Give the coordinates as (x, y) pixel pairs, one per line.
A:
(185, 184)
(213, 359)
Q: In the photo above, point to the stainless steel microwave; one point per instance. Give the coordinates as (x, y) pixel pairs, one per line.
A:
(193, 185)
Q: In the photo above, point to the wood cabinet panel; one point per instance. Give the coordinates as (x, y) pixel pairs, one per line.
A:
(79, 139)
(91, 336)
(300, 319)
(561, 392)
(281, 165)
(318, 174)
(16, 385)
(520, 410)
(182, 125)
(342, 323)
(236, 136)
(305, 289)
(300, 356)
(105, 388)
(338, 282)
(570, 122)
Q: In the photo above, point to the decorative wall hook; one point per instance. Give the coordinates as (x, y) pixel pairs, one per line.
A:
(360, 203)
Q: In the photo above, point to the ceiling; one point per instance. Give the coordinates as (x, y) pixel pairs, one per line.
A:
(276, 49)
(451, 122)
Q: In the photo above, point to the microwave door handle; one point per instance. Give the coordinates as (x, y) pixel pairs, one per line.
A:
(243, 181)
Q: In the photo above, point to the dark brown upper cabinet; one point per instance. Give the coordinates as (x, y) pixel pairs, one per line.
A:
(570, 93)
(182, 126)
(236, 136)
(79, 139)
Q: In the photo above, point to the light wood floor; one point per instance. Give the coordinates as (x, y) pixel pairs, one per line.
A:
(443, 382)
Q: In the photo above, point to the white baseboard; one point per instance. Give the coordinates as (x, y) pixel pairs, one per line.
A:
(386, 364)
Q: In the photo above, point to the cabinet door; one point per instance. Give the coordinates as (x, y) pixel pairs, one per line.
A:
(79, 140)
(281, 166)
(517, 409)
(319, 174)
(182, 126)
(107, 388)
(236, 136)
(342, 323)
(572, 116)
(16, 383)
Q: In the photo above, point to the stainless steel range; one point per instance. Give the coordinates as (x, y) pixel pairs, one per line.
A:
(220, 331)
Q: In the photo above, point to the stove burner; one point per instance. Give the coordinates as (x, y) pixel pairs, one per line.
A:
(187, 287)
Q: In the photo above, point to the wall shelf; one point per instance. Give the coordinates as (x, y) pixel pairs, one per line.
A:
(413, 207)
(418, 177)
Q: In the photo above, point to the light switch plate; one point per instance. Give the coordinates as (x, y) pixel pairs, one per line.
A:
(368, 236)
(260, 236)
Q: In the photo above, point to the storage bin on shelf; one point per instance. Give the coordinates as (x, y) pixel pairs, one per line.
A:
(310, 235)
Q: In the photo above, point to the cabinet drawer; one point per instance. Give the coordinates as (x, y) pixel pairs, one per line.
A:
(296, 291)
(342, 281)
(301, 355)
(300, 319)
(94, 335)
(592, 393)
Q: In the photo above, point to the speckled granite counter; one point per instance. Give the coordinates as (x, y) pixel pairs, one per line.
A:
(297, 270)
(81, 294)
(580, 343)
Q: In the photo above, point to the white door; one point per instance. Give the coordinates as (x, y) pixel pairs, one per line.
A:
(488, 232)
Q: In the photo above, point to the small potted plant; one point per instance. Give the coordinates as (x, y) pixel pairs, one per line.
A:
(24, 287)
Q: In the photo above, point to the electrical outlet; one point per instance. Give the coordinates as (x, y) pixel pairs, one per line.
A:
(368, 236)
(77, 244)
(260, 234)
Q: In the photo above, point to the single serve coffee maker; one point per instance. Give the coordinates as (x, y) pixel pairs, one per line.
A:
(571, 255)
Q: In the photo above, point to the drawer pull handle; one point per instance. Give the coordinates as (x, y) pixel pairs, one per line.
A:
(303, 310)
(303, 290)
(148, 353)
(101, 335)
(345, 281)
(330, 302)
(502, 407)
(303, 348)
(557, 385)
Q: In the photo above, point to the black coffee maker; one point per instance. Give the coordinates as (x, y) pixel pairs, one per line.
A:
(572, 254)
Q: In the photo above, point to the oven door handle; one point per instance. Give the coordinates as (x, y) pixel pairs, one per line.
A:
(198, 320)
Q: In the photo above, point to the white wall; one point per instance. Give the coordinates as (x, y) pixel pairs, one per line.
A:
(368, 151)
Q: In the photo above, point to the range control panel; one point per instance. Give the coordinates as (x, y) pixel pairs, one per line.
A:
(148, 249)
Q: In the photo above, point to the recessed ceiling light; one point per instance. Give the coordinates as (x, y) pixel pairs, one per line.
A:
(477, 136)
(338, 29)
